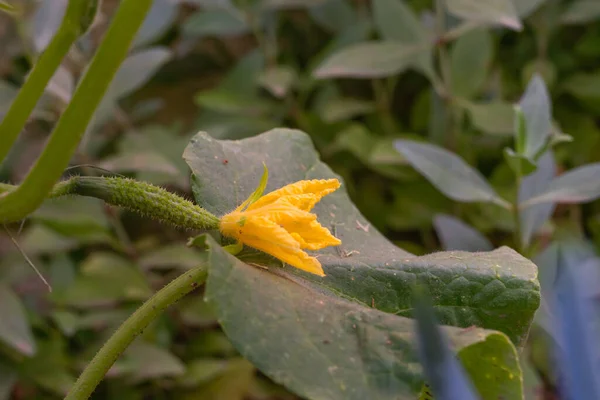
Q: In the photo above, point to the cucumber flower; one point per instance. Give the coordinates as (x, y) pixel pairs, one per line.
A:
(280, 223)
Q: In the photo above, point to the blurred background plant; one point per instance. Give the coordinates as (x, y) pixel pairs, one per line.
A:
(391, 92)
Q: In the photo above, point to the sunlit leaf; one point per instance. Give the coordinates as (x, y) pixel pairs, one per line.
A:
(537, 109)
(578, 185)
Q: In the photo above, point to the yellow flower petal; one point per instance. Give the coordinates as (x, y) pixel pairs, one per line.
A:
(312, 236)
(315, 187)
(280, 224)
(265, 235)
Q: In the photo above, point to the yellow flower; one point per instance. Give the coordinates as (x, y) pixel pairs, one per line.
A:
(280, 224)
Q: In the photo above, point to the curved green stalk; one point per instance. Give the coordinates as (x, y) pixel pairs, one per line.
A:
(41, 73)
(130, 329)
(140, 197)
(17, 204)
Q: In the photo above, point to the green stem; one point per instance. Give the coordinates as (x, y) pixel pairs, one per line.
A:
(47, 170)
(517, 216)
(383, 103)
(446, 72)
(140, 197)
(40, 75)
(130, 329)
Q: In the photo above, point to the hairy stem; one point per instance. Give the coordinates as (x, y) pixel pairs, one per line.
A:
(140, 197)
(130, 329)
(18, 203)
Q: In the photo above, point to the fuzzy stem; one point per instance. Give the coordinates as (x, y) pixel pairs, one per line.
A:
(130, 329)
(140, 197)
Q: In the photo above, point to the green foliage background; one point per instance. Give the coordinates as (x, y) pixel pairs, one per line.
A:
(236, 69)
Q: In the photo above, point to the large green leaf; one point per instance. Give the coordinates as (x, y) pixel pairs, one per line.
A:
(324, 347)
(494, 290)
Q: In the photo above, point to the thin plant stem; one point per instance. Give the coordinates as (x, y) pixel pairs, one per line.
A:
(131, 328)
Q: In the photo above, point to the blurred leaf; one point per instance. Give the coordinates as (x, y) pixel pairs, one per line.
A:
(66, 321)
(374, 151)
(228, 126)
(285, 4)
(371, 60)
(243, 77)
(49, 368)
(576, 303)
(164, 140)
(496, 118)
(81, 218)
(196, 312)
(443, 371)
(14, 329)
(202, 371)
(396, 21)
(161, 16)
(45, 22)
(545, 68)
(532, 218)
(62, 84)
(231, 383)
(583, 85)
(497, 289)
(278, 80)
(334, 15)
(527, 7)
(581, 12)
(213, 343)
(39, 239)
(149, 361)
(448, 172)
(232, 102)
(415, 206)
(100, 319)
(7, 7)
(171, 255)
(105, 278)
(354, 34)
(136, 70)
(141, 161)
(8, 378)
(518, 162)
(537, 109)
(224, 22)
(578, 185)
(7, 93)
(456, 235)
(470, 58)
(342, 109)
(494, 12)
